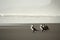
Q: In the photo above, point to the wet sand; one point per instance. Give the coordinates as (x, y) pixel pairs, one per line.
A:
(23, 32)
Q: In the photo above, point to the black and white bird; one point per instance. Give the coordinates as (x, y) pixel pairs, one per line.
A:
(33, 28)
(43, 27)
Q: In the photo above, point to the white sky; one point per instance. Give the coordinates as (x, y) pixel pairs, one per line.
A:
(30, 7)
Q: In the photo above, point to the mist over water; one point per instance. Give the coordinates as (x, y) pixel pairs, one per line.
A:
(30, 19)
(47, 11)
(40, 7)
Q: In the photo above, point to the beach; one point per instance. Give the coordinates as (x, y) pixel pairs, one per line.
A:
(23, 32)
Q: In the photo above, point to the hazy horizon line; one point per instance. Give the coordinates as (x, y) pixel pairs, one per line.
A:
(29, 15)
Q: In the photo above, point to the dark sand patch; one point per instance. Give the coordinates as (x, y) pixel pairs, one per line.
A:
(23, 32)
